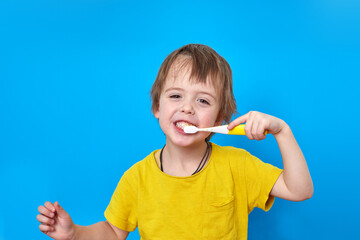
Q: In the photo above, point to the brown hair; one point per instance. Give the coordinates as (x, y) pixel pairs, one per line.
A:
(205, 64)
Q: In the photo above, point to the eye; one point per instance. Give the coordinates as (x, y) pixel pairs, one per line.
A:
(204, 101)
(175, 96)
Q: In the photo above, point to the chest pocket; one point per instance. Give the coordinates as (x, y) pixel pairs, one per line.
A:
(218, 218)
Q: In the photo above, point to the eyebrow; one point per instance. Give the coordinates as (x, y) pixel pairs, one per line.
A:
(181, 89)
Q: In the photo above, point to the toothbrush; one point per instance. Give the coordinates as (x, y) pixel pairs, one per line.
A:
(238, 130)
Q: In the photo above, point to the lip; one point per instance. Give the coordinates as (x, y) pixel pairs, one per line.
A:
(180, 130)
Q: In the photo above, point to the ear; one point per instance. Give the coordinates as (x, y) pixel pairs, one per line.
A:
(156, 113)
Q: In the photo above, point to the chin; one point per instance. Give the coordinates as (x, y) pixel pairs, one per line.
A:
(187, 142)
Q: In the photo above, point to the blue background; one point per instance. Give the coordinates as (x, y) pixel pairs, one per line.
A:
(75, 111)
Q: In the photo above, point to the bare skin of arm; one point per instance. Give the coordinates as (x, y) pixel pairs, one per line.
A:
(57, 224)
(295, 182)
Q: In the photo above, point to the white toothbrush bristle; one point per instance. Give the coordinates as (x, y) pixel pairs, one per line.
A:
(190, 129)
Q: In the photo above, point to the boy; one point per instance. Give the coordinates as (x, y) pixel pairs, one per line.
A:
(191, 188)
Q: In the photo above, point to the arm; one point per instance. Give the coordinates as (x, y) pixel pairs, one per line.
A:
(57, 224)
(295, 182)
(100, 230)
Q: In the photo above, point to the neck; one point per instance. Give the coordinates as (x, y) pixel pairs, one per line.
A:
(182, 161)
(185, 154)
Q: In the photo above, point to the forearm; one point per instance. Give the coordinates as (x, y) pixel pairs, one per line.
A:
(296, 173)
(97, 231)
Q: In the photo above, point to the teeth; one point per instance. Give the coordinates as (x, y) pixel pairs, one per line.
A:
(182, 124)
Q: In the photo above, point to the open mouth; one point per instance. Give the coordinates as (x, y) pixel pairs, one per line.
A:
(182, 124)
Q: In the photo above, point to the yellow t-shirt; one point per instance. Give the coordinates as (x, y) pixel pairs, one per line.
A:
(212, 204)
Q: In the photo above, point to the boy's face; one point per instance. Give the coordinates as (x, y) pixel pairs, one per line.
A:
(182, 102)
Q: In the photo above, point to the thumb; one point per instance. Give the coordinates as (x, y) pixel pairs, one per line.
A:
(60, 211)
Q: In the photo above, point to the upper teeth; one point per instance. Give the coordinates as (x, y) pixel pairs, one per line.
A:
(183, 124)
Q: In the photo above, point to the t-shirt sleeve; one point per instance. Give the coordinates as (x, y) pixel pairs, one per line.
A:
(260, 179)
(122, 210)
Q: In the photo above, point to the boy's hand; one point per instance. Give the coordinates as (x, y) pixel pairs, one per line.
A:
(257, 123)
(56, 222)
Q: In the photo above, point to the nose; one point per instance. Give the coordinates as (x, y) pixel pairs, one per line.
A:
(187, 108)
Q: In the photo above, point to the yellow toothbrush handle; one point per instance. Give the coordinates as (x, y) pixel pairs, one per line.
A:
(240, 130)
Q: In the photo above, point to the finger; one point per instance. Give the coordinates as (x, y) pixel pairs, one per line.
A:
(50, 206)
(257, 130)
(238, 121)
(254, 129)
(263, 130)
(45, 228)
(60, 211)
(249, 125)
(260, 132)
(44, 211)
(45, 220)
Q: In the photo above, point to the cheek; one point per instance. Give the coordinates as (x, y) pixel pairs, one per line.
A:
(215, 120)
(160, 110)
(209, 120)
(164, 116)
